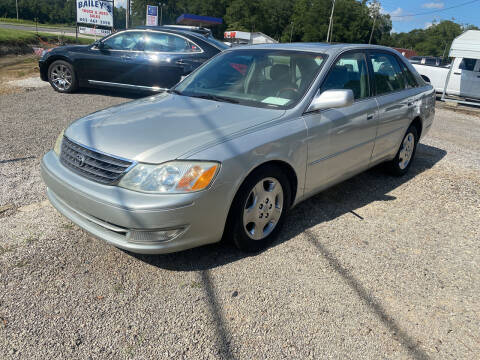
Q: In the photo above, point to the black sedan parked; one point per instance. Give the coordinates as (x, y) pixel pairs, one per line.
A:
(147, 58)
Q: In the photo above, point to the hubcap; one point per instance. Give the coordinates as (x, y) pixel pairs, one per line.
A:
(406, 151)
(61, 77)
(263, 208)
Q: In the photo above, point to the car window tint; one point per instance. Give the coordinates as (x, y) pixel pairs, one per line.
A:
(387, 72)
(162, 42)
(409, 77)
(467, 64)
(125, 41)
(349, 72)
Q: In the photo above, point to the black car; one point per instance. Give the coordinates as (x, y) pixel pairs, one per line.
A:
(146, 58)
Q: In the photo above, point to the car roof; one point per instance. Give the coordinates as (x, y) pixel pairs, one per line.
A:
(324, 48)
(172, 30)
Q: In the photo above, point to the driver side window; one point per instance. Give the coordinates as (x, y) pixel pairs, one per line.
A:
(126, 41)
(349, 72)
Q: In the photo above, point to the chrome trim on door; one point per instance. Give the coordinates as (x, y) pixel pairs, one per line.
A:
(127, 86)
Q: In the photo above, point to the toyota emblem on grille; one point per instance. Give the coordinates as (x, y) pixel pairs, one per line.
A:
(80, 160)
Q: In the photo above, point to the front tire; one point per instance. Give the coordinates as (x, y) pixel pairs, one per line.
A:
(403, 160)
(61, 76)
(259, 209)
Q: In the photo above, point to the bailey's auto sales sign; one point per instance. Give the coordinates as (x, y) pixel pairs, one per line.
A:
(95, 12)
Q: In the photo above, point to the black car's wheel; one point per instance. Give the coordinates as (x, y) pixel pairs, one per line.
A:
(405, 155)
(62, 76)
(259, 209)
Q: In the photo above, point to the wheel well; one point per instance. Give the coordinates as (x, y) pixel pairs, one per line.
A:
(289, 171)
(425, 78)
(417, 122)
(55, 58)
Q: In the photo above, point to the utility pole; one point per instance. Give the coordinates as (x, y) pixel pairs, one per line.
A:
(16, 5)
(127, 14)
(291, 31)
(376, 10)
(161, 13)
(330, 30)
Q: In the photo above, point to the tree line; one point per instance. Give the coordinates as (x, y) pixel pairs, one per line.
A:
(283, 20)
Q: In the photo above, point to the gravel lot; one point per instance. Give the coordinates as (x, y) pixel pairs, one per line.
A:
(376, 267)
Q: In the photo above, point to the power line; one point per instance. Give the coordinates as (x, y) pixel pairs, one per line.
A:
(434, 11)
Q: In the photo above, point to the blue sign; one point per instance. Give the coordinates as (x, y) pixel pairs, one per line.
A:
(152, 10)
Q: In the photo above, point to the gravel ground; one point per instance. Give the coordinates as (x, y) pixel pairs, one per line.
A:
(376, 267)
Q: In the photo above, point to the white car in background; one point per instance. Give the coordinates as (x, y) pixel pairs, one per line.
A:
(464, 79)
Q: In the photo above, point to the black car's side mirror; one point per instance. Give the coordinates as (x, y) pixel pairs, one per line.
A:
(99, 45)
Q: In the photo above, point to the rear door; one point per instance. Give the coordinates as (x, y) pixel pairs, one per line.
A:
(340, 141)
(396, 100)
(167, 58)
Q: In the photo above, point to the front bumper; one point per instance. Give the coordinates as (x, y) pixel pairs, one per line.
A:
(112, 213)
(43, 70)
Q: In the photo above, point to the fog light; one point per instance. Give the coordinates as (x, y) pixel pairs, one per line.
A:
(149, 237)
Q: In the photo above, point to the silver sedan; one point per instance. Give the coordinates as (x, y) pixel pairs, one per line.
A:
(235, 145)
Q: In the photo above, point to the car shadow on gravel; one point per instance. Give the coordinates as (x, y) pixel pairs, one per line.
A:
(346, 197)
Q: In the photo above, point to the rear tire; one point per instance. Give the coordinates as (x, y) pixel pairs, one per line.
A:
(403, 160)
(259, 209)
(61, 76)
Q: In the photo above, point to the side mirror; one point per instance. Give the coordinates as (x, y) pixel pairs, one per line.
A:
(332, 99)
(99, 45)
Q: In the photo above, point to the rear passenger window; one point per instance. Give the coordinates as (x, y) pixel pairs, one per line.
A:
(349, 72)
(467, 64)
(163, 42)
(387, 72)
(409, 77)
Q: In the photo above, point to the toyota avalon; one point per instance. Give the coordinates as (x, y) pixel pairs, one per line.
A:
(233, 147)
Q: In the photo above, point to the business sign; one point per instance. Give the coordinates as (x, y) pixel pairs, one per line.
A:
(93, 31)
(95, 12)
(152, 15)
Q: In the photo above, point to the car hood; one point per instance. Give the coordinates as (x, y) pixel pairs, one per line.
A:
(166, 126)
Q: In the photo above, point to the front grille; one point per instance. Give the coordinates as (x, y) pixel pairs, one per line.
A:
(92, 164)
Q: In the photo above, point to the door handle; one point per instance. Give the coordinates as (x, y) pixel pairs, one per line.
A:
(180, 62)
(457, 73)
(126, 57)
(370, 117)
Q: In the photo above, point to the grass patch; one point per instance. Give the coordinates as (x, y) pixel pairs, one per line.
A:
(24, 38)
(31, 22)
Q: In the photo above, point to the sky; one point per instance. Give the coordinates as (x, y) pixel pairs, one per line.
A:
(410, 14)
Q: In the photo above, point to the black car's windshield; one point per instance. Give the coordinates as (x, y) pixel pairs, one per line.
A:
(258, 77)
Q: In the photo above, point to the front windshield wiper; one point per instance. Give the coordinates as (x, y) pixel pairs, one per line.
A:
(215, 98)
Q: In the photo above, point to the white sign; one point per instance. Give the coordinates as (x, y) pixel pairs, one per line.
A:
(95, 12)
(152, 15)
(93, 31)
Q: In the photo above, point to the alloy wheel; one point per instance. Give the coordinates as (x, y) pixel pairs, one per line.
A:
(61, 77)
(406, 151)
(263, 208)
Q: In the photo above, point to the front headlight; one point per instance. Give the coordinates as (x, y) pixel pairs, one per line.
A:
(58, 143)
(171, 177)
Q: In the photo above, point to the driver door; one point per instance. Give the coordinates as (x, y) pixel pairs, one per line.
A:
(341, 141)
(116, 60)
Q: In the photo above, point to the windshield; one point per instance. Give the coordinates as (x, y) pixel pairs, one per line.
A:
(262, 78)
